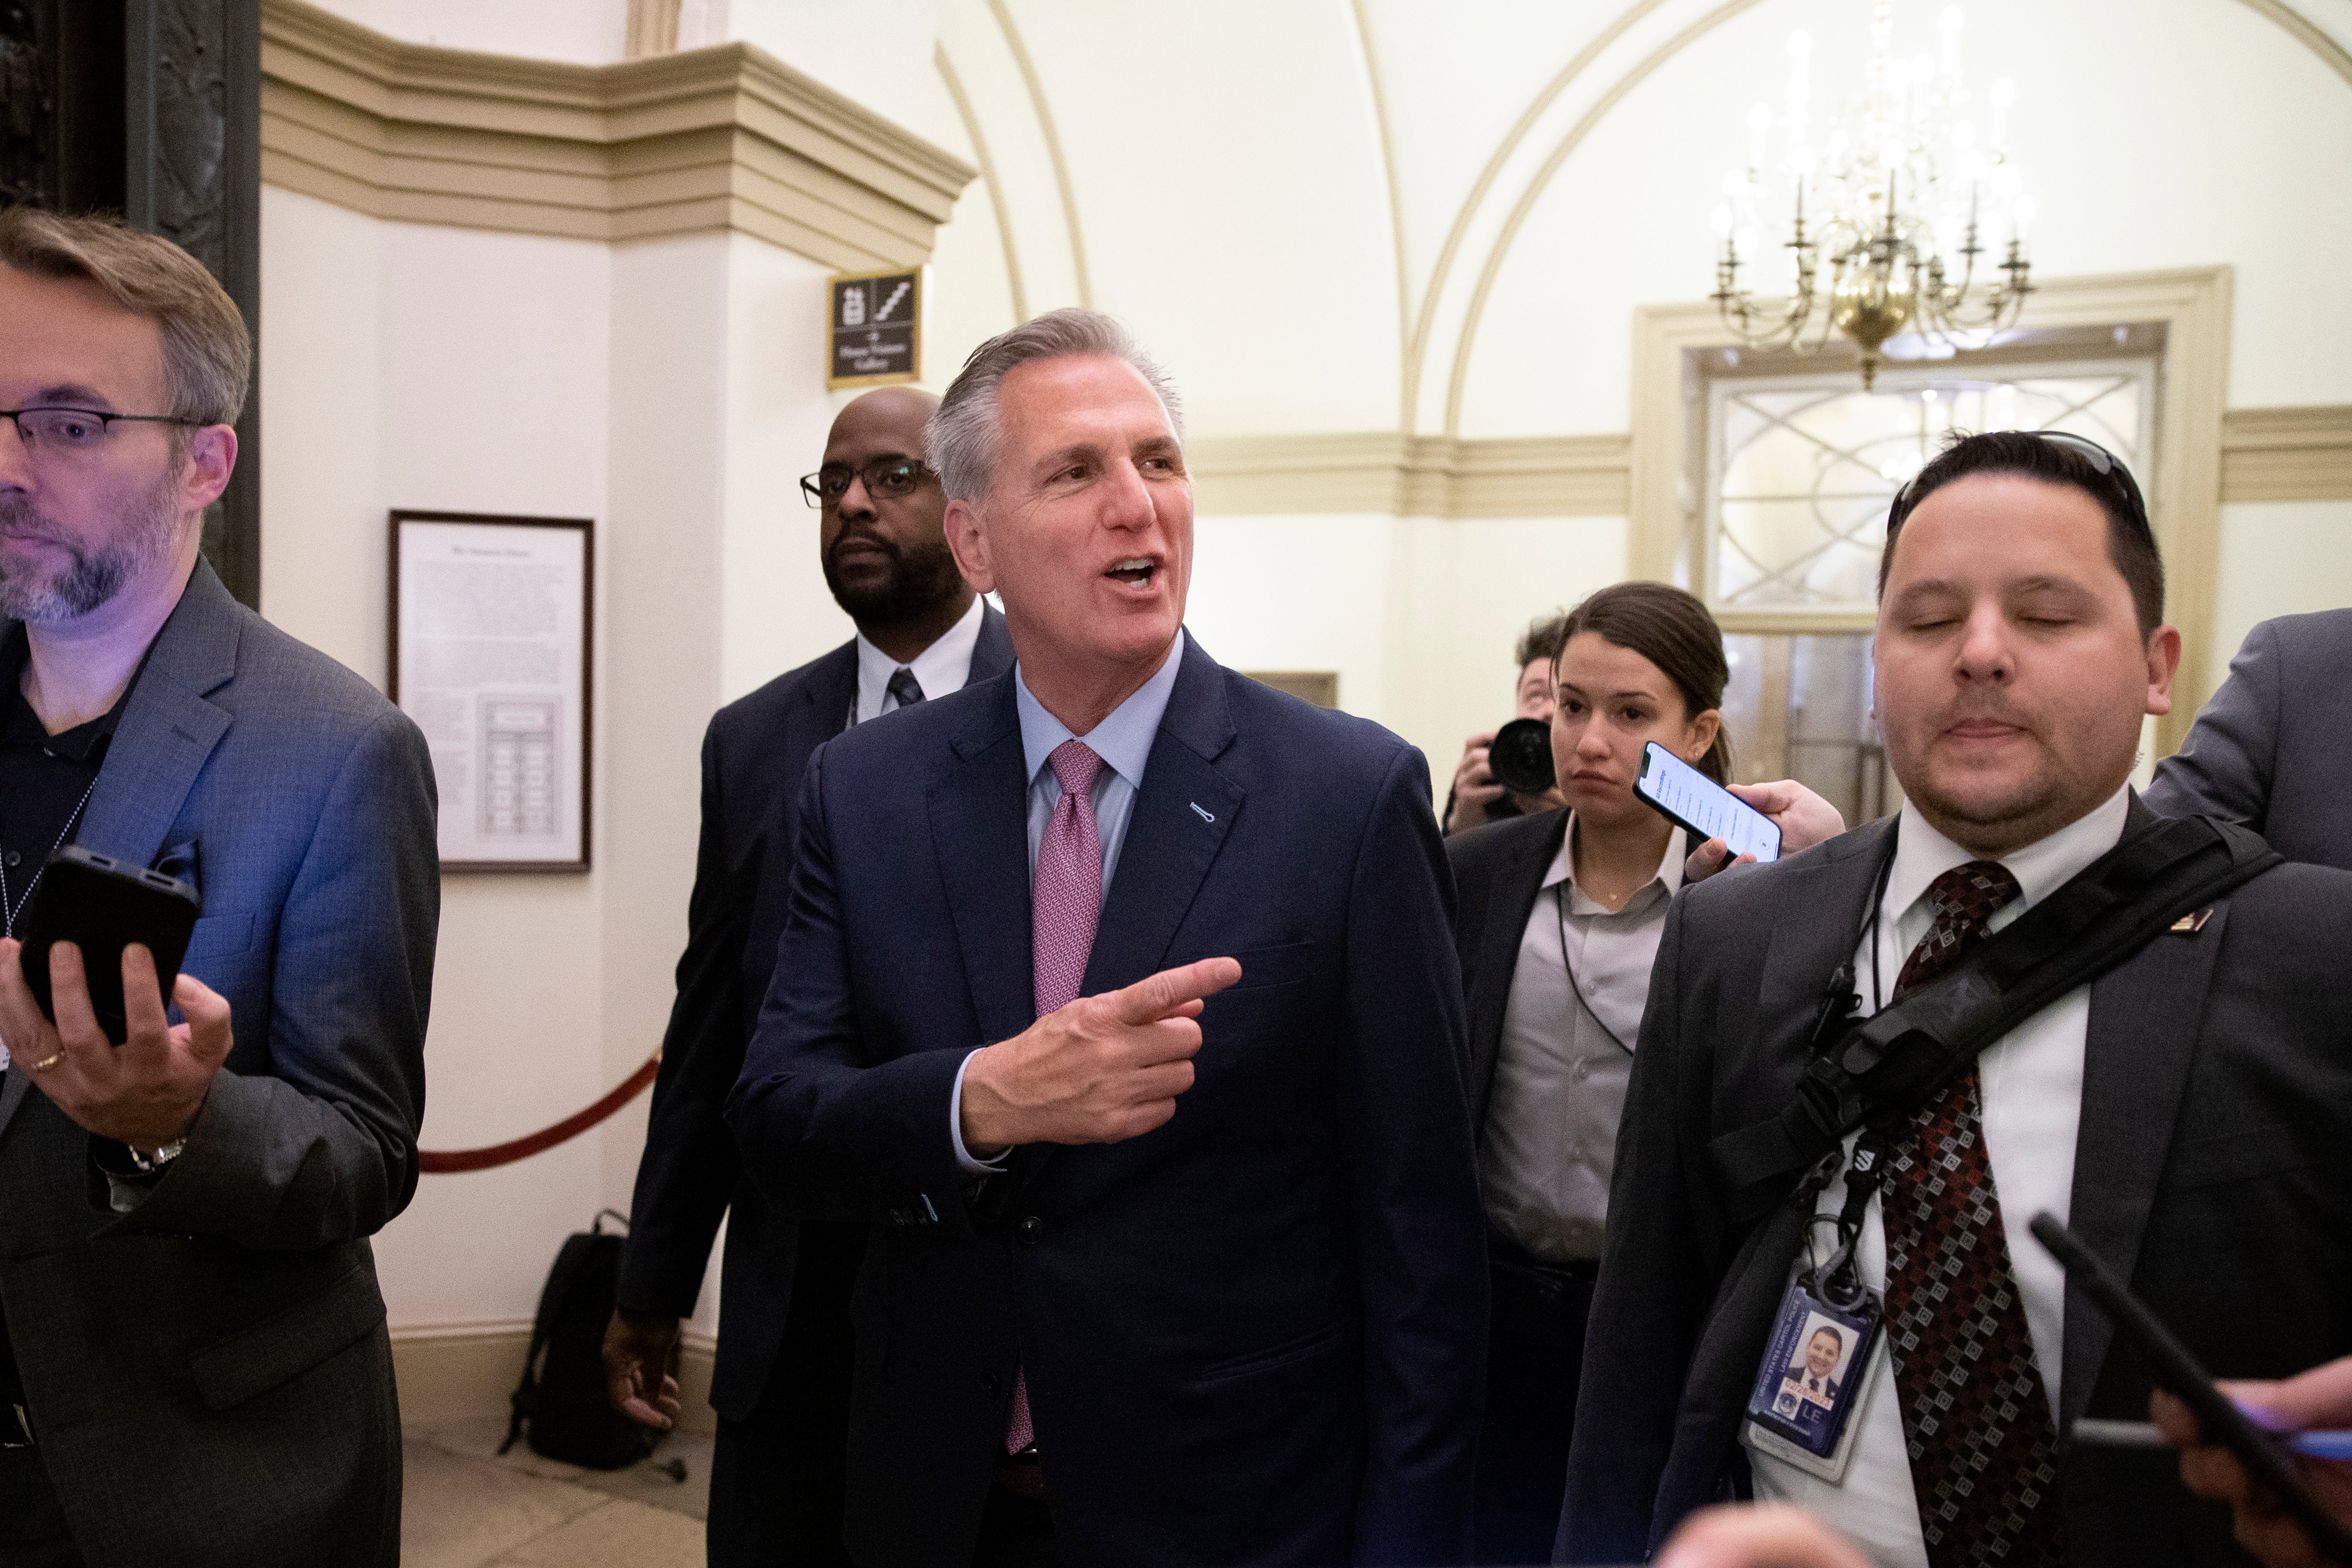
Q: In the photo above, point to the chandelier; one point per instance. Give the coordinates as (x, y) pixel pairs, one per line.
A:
(1883, 216)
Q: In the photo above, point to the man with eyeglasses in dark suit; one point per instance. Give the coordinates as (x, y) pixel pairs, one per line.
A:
(782, 1382)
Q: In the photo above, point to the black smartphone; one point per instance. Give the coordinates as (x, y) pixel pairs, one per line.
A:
(2176, 1372)
(103, 905)
(1702, 807)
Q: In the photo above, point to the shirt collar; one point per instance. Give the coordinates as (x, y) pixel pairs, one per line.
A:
(2042, 867)
(940, 669)
(1563, 869)
(1123, 740)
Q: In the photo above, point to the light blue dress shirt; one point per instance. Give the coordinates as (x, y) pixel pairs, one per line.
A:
(1123, 741)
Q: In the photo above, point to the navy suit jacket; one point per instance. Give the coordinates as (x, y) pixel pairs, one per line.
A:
(2271, 750)
(1254, 1335)
(752, 758)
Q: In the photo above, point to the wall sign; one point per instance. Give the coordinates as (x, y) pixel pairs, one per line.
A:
(875, 336)
(490, 619)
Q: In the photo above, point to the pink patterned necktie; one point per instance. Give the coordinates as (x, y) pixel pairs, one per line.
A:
(1065, 901)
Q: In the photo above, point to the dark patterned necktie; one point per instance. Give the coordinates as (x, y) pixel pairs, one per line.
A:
(1983, 1449)
(903, 687)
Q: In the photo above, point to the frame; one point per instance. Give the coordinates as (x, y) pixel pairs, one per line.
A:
(492, 632)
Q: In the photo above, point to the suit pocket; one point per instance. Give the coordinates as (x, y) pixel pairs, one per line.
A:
(285, 1344)
(1268, 966)
(2244, 1156)
(220, 936)
(1305, 1347)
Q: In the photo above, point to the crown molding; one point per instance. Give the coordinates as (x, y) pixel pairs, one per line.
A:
(1422, 476)
(2287, 454)
(725, 138)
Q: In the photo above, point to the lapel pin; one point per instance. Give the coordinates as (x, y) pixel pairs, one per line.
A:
(1205, 815)
(2190, 924)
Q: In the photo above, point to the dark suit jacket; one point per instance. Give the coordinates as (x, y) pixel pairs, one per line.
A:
(209, 1375)
(2273, 749)
(1498, 871)
(752, 758)
(2213, 1170)
(1254, 1335)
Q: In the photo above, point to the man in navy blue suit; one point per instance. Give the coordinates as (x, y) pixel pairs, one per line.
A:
(1118, 996)
(782, 1382)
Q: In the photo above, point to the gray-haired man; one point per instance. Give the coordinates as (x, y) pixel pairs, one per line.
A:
(1118, 994)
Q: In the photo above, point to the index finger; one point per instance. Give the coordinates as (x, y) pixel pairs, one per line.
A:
(1156, 997)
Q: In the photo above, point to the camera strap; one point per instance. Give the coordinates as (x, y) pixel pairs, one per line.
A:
(1874, 1072)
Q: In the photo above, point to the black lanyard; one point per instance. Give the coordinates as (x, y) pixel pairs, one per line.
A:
(1838, 1281)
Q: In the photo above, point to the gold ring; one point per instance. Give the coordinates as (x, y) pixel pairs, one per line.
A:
(52, 1059)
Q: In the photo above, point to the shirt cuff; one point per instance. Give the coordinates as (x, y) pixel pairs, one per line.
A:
(965, 1160)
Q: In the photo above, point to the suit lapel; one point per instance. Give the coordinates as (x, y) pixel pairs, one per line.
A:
(980, 838)
(167, 732)
(2135, 1056)
(1181, 816)
(1803, 953)
(1509, 903)
(168, 728)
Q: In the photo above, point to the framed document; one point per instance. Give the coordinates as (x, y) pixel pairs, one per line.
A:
(490, 626)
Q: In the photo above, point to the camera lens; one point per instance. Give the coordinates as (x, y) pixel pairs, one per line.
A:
(1521, 758)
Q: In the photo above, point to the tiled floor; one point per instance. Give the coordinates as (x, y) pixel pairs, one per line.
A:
(465, 1507)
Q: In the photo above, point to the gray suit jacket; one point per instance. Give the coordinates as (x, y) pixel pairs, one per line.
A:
(2273, 749)
(2213, 1170)
(209, 1376)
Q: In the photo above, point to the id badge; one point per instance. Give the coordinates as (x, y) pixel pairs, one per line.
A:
(1815, 1372)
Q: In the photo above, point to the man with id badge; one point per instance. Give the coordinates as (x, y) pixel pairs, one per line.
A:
(1862, 1074)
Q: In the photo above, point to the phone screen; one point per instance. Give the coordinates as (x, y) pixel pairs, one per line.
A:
(1703, 806)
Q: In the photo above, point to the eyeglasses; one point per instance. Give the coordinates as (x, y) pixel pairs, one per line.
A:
(72, 433)
(885, 479)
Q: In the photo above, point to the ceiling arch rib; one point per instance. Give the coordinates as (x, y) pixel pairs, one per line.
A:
(2278, 12)
(1465, 342)
(1418, 343)
(2307, 32)
(1396, 196)
(988, 179)
(1053, 146)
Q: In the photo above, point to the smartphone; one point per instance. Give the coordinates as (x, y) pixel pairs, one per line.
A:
(1686, 796)
(103, 905)
(2176, 1372)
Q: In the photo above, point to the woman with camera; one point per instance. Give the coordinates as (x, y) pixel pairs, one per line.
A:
(1560, 914)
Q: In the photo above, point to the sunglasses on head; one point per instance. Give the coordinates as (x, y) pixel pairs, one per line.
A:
(2106, 464)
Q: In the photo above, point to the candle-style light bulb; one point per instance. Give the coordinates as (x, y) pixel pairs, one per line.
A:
(2020, 217)
(1759, 126)
(1999, 96)
(1720, 220)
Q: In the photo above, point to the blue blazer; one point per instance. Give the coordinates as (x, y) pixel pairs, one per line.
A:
(688, 1178)
(209, 1374)
(1255, 1334)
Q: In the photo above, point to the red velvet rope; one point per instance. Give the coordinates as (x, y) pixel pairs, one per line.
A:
(446, 1161)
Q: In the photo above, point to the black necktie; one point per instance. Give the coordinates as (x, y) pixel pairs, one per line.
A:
(903, 688)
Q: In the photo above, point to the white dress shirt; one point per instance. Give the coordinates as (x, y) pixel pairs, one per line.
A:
(2030, 1081)
(1550, 1138)
(940, 669)
(1123, 741)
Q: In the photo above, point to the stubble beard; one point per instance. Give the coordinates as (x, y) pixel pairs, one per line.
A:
(918, 582)
(94, 576)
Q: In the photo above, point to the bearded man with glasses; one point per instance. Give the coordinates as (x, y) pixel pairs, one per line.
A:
(781, 1383)
(193, 1365)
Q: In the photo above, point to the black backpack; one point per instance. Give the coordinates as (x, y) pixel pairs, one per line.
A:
(562, 1396)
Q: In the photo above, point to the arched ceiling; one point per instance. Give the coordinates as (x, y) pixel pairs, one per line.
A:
(1309, 207)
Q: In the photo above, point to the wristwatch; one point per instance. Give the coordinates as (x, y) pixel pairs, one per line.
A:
(148, 1164)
